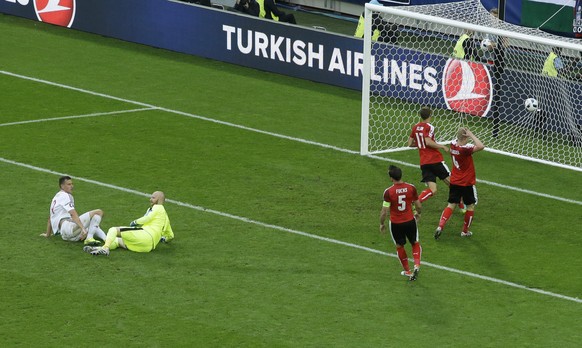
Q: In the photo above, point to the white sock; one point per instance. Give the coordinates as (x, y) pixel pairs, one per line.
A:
(100, 234)
(94, 229)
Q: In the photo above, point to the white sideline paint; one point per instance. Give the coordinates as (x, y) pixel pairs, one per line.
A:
(74, 116)
(288, 230)
(151, 107)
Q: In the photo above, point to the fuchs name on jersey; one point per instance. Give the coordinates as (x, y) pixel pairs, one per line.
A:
(401, 190)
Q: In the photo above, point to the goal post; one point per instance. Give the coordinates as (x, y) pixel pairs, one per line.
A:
(365, 129)
(413, 57)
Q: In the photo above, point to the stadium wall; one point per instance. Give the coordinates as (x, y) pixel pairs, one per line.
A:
(355, 7)
(261, 44)
(560, 17)
(217, 34)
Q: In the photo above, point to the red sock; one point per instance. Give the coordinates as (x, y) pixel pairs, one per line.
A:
(403, 258)
(424, 195)
(461, 205)
(468, 220)
(416, 253)
(445, 217)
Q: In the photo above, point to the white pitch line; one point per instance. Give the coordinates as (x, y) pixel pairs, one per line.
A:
(567, 200)
(491, 183)
(46, 82)
(304, 141)
(288, 230)
(74, 116)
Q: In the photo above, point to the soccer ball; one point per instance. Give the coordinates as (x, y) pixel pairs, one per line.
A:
(485, 44)
(531, 104)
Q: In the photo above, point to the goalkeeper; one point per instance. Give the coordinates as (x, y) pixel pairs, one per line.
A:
(143, 234)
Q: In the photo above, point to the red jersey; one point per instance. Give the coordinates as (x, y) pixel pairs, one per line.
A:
(463, 173)
(428, 155)
(400, 196)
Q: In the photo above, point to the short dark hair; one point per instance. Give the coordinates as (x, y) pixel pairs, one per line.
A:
(63, 178)
(395, 172)
(425, 112)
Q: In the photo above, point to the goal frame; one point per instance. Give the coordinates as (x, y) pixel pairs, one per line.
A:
(367, 68)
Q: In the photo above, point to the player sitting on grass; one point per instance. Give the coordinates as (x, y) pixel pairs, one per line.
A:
(143, 234)
(65, 221)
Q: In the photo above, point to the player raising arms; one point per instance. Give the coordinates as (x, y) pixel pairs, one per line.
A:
(432, 163)
(398, 200)
(462, 180)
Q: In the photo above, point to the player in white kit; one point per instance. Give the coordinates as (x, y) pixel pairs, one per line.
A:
(64, 219)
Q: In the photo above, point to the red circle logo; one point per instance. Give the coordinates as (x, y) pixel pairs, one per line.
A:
(467, 87)
(57, 12)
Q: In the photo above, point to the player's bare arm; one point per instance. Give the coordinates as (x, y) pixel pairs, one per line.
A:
(478, 144)
(418, 207)
(412, 142)
(431, 143)
(383, 215)
(49, 229)
(76, 219)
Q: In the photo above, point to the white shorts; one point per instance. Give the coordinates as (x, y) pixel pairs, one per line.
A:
(70, 231)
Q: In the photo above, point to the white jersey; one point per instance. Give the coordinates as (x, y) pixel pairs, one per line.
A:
(61, 205)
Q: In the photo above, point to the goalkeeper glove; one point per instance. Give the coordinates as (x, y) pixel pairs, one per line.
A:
(163, 239)
(133, 224)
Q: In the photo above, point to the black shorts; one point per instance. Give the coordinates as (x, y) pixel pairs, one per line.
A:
(400, 232)
(468, 193)
(434, 170)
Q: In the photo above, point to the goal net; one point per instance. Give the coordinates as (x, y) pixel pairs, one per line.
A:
(473, 70)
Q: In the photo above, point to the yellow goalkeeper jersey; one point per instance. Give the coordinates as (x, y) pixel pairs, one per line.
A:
(157, 223)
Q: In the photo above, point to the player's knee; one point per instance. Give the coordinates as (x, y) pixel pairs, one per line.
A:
(112, 231)
(97, 212)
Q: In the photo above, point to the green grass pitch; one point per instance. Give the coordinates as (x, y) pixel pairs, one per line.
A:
(275, 214)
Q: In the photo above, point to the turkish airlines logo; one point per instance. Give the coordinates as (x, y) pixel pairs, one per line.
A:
(58, 12)
(467, 87)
